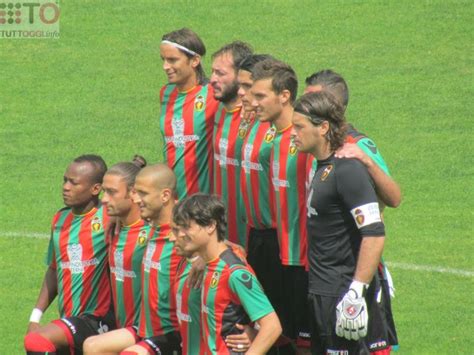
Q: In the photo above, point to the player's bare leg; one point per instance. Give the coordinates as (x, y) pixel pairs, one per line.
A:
(109, 343)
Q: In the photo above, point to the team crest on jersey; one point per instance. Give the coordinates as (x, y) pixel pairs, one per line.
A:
(199, 103)
(142, 237)
(326, 172)
(214, 280)
(244, 127)
(270, 134)
(293, 148)
(95, 224)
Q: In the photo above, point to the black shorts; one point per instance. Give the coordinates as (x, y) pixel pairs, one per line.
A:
(79, 328)
(295, 314)
(169, 343)
(263, 255)
(323, 327)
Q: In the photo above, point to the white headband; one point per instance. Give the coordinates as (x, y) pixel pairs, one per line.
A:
(183, 48)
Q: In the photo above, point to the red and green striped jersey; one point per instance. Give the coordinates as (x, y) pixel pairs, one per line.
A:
(157, 311)
(78, 252)
(125, 259)
(230, 131)
(288, 186)
(231, 294)
(255, 178)
(186, 123)
(188, 309)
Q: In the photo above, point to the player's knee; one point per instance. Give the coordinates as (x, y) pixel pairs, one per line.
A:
(35, 342)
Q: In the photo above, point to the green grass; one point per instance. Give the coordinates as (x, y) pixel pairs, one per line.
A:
(409, 67)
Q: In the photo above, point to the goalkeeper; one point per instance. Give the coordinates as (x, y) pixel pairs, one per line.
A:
(345, 233)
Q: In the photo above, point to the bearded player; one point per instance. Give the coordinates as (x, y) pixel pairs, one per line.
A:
(187, 112)
(77, 266)
(230, 130)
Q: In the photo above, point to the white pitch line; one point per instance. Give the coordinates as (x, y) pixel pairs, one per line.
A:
(395, 265)
(24, 235)
(442, 270)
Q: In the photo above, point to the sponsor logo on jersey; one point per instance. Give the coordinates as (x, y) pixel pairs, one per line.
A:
(182, 317)
(222, 157)
(326, 172)
(366, 214)
(214, 280)
(142, 237)
(75, 263)
(311, 211)
(310, 176)
(337, 352)
(270, 134)
(95, 224)
(118, 269)
(178, 138)
(147, 260)
(247, 163)
(199, 103)
(276, 181)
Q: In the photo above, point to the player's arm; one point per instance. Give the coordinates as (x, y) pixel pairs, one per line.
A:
(387, 189)
(370, 254)
(48, 292)
(358, 194)
(270, 330)
(241, 342)
(249, 292)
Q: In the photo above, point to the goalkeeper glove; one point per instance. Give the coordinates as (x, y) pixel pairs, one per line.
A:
(351, 313)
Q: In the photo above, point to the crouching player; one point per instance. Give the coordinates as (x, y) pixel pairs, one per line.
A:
(157, 331)
(188, 304)
(230, 292)
(77, 266)
(127, 247)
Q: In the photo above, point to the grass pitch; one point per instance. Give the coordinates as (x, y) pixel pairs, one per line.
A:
(409, 69)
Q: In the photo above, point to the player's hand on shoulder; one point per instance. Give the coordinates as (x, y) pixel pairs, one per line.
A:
(351, 313)
(352, 151)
